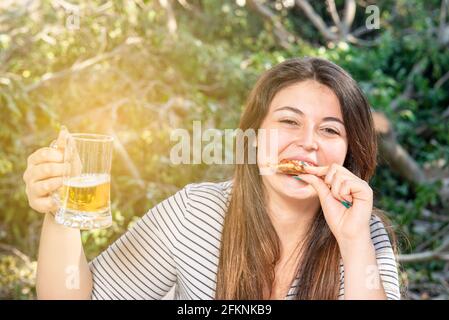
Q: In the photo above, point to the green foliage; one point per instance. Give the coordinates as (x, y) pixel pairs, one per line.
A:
(18, 277)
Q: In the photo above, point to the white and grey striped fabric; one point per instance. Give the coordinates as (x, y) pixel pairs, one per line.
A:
(177, 244)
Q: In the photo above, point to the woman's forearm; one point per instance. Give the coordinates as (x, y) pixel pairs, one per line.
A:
(362, 278)
(62, 270)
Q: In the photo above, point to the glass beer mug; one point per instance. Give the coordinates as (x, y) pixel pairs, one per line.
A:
(84, 198)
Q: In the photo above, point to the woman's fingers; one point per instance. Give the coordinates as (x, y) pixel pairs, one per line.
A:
(321, 188)
(335, 183)
(341, 188)
(44, 155)
(44, 204)
(359, 189)
(61, 141)
(317, 171)
(338, 181)
(46, 187)
(324, 190)
(44, 173)
(345, 191)
(49, 170)
(327, 171)
(329, 177)
(335, 187)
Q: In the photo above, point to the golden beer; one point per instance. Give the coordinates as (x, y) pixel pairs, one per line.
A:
(87, 196)
(89, 193)
(84, 198)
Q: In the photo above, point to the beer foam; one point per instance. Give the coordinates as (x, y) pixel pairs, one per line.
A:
(87, 180)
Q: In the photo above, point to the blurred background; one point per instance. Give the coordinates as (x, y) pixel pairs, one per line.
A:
(138, 69)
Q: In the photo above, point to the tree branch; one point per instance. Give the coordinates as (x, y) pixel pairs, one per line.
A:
(360, 31)
(283, 37)
(185, 4)
(343, 26)
(440, 253)
(441, 81)
(445, 113)
(443, 36)
(126, 158)
(418, 69)
(394, 154)
(15, 251)
(434, 237)
(367, 43)
(348, 16)
(316, 20)
(332, 8)
(172, 25)
(121, 150)
(79, 66)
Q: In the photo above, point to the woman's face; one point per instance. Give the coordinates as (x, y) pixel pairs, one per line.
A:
(309, 124)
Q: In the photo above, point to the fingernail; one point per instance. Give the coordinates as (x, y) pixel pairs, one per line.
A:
(347, 204)
(297, 178)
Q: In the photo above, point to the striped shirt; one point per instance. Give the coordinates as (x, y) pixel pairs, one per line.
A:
(177, 243)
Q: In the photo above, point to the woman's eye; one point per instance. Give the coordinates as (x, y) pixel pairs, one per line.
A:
(289, 121)
(331, 131)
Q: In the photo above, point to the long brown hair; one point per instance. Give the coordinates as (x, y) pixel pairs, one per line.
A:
(250, 245)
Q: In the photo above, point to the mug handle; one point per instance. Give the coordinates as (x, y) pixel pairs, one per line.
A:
(60, 143)
(55, 194)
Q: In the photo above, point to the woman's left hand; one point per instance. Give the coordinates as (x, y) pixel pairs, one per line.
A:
(346, 200)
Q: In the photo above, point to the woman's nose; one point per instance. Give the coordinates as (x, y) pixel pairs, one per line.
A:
(307, 140)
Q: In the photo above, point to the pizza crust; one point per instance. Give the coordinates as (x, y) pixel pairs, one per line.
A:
(293, 167)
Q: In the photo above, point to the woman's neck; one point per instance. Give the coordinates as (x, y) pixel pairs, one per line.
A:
(291, 219)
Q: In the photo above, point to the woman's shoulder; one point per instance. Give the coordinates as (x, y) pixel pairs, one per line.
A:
(379, 234)
(203, 199)
(198, 206)
(209, 195)
(223, 188)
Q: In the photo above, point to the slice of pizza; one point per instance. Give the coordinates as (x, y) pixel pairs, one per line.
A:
(291, 166)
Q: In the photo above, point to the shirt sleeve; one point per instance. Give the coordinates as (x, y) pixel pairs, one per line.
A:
(386, 260)
(140, 264)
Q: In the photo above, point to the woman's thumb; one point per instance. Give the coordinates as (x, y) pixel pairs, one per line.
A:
(317, 183)
(61, 141)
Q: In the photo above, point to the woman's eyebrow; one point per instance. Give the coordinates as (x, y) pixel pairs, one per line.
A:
(298, 111)
(333, 119)
(295, 110)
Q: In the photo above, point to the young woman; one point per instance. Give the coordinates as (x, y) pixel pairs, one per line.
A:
(311, 236)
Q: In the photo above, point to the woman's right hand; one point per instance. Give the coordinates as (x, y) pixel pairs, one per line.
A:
(44, 173)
